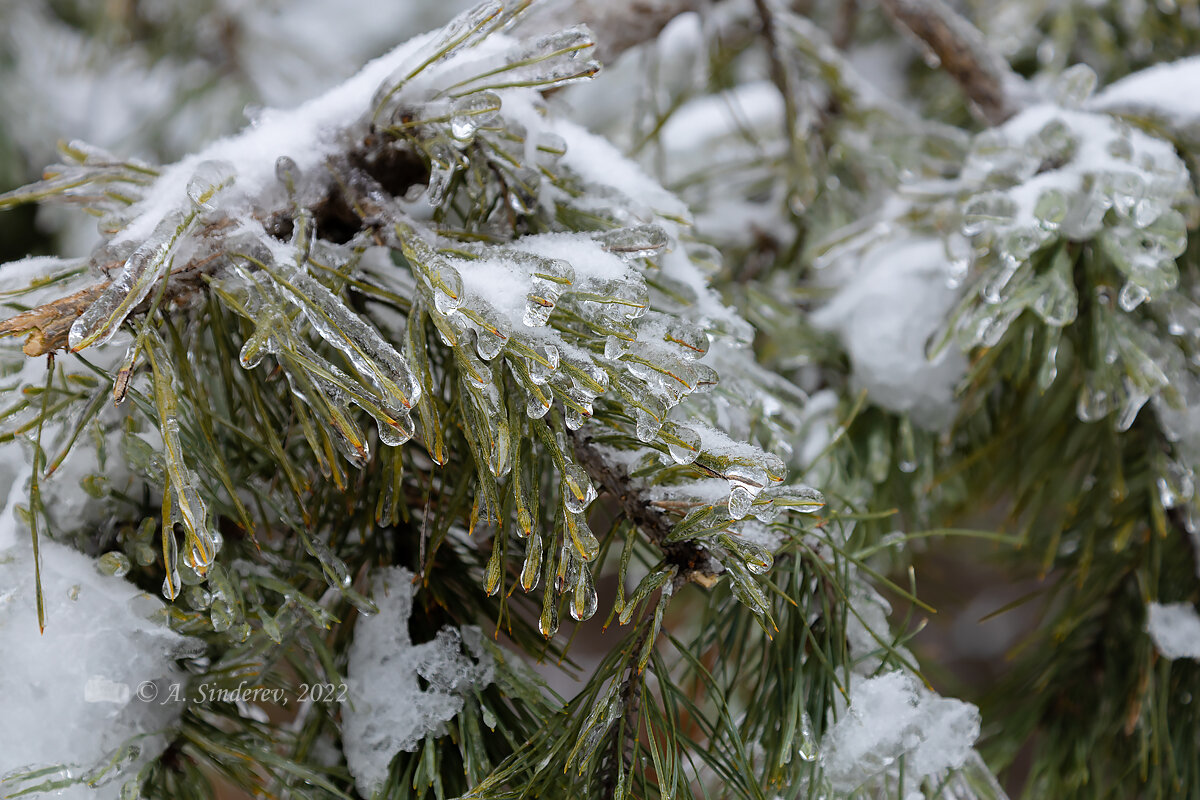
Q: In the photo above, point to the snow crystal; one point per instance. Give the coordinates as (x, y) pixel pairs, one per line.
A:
(388, 710)
(884, 315)
(100, 645)
(1175, 629)
(892, 716)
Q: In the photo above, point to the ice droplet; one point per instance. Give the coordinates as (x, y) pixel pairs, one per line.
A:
(806, 746)
(541, 370)
(548, 621)
(1051, 208)
(584, 601)
(209, 180)
(113, 563)
(647, 425)
(740, 501)
(1132, 296)
(577, 488)
(447, 289)
(638, 241)
(472, 112)
(687, 448)
(531, 570)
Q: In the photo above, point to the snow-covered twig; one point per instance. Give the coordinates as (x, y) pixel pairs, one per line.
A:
(962, 52)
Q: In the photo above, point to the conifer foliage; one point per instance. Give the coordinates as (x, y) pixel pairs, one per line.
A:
(351, 423)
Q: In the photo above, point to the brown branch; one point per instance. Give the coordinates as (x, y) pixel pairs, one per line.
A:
(694, 563)
(46, 327)
(984, 77)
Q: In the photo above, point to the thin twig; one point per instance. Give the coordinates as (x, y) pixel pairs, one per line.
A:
(694, 564)
(960, 48)
(631, 706)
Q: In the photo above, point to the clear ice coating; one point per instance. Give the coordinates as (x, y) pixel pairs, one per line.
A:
(578, 491)
(638, 241)
(684, 446)
(142, 270)
(372, 355)
(209, 179)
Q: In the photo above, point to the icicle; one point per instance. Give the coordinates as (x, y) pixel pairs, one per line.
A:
(370, 353)
(142, 270)
(583, 600)
(531, 570)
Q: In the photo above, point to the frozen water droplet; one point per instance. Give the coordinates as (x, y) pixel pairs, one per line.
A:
(687, 448)
(548, 621)
(806, 744)
(113, 563)
(584, 601)
(171, 585)
(287, 172)
(541, 370)
(647, 426)
(1092, 405)
(209, 179)
(447, 289)
(472, 112)
(740, 501)
(531, 570)
(638, 241)
(573, 418)
(1131, 296)
(1074, 86)
(577, 488)
(1051, 208)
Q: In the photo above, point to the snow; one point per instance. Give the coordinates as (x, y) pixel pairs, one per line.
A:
(892, 716)
(596, 161)
(1163, 91)
(591, 262)
(1175, 629)
(884, 314)
(388, 711)
(69, 695)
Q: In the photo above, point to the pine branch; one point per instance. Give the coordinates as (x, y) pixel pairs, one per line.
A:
(962, 52)
(694, 564)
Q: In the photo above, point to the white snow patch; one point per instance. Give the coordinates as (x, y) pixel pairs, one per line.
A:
(1175, 629)
(1163, 91)
(596, 161)
(388, 711)
(884, 314)
(891, 716)
(306, 134)
(70, 694)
